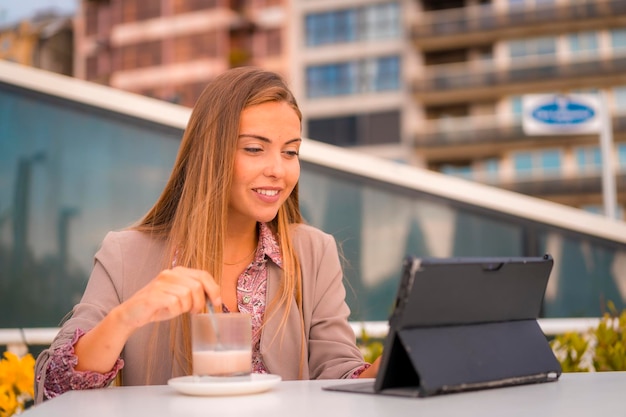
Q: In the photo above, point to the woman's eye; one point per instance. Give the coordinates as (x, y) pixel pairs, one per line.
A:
(253, 150)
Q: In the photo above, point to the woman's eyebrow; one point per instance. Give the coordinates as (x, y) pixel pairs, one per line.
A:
(264, 139)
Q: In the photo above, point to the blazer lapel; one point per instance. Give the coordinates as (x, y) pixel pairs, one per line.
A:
(281, 348)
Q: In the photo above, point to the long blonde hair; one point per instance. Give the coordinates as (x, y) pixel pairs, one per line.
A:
(191, 213)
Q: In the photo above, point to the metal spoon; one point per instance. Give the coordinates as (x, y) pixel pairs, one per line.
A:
(218, 343)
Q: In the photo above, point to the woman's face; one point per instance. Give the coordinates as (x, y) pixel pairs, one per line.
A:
(266, 162)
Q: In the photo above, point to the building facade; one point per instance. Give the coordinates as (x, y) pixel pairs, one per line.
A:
(434, 83)
(170, 49)
(479, 60)
(44, 42)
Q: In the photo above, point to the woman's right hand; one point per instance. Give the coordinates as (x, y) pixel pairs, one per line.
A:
(171, 293)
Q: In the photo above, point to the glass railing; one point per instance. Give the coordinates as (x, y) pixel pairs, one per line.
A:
(77, 160)
(453, 131)
(490, 18)
(533, 69)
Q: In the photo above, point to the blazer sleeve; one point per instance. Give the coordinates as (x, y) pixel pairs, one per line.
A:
(331, 341)
(100, 296)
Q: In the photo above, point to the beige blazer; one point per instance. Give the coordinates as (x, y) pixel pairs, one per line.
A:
(128, 260)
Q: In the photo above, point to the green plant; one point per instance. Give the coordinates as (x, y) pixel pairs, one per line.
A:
(371, 348)
(602, 348)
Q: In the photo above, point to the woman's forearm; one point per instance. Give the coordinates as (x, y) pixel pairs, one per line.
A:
(99, 349)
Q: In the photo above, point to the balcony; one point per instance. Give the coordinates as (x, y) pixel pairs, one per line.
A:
(492, 130)
(485, 24)
(564, 186)
(490, 79)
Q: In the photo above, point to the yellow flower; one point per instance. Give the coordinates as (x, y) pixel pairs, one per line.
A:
(17, 383)
(8, 400)
(19, 372)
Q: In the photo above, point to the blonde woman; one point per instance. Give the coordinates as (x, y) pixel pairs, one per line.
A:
(227, 227)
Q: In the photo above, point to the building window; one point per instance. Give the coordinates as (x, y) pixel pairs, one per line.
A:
(517, 107)
(463, 171)
(381, 21)
(520, 4)
(619, 96)
(92, 67)
(621, 156)
(147, 54)
(588, 159)
(273, 42)
(91, 18)
(532, 47)
(183, 6)
(329, 80)
(583, 43)
(378, 21)
(362, 129)
(355, 77)
(490, 169)
(193, 47)
(386, 74)
(618, 38)
(538, 164)
(136, 10)
(330, 27)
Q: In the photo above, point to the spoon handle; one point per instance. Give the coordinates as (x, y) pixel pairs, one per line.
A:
(216, 329)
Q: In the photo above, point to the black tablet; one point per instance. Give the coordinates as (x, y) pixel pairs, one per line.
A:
(463, 324)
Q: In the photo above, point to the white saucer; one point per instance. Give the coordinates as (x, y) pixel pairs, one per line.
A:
(213, 386)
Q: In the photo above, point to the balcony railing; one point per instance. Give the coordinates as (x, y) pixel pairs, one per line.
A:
(474, 75)
(488, 19)
(468, 130)
(483, 129)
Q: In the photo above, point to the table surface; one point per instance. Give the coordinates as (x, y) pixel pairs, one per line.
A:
(575, 394)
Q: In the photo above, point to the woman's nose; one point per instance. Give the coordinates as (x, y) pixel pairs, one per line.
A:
(275, 166)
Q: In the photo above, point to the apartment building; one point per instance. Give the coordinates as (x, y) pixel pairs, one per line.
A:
(434, 83)
(45, 42)
(479, 60)
(170, 49)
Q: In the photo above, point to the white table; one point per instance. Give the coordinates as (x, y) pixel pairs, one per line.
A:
(593, 394)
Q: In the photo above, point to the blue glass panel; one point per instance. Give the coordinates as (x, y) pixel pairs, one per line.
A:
(596, 156)
(387, 73)
(70, 173)
(551, 160)
(67, 176)
(584, 41)
(516, 105)
(621, 155)
(492, 165)
(523, 162)
(618, 38)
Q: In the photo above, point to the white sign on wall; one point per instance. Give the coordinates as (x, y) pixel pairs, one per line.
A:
(572, 114)
(561, 114)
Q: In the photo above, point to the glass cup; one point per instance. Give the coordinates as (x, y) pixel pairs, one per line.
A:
(221, 344)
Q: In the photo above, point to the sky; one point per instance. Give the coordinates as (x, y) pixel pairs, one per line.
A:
(12, 11)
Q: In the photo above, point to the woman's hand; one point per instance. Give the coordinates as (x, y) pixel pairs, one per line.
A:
(171, 293)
